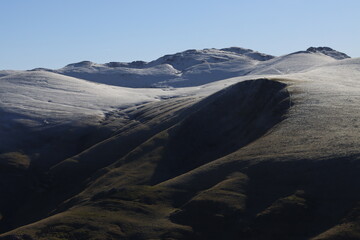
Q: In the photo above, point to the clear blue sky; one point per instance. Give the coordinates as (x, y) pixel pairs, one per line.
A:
(53, 33)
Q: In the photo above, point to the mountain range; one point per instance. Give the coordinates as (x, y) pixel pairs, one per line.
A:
(202, 144)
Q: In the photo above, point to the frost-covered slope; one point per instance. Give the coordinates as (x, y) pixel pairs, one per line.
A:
(292, 63)
(39, 100)
(124, 75)
(8, 72)
(46, 97)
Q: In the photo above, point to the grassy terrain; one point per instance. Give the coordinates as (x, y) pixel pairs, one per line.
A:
(231, 166)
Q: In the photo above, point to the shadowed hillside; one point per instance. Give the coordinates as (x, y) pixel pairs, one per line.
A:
(193, 135)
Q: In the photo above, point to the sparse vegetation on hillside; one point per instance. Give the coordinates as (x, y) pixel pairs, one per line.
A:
(188, 168)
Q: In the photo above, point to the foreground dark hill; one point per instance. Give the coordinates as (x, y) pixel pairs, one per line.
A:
(275, 157)
(189, 139)
(207, 171)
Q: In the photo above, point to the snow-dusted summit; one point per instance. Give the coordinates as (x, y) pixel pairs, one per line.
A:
(329, 52)
(181, 69)
(197, 67)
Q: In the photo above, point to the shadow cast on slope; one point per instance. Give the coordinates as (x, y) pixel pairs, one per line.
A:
(223, 123)
(278, 200)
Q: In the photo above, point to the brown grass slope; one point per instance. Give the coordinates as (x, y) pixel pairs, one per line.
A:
(47, 184)
(240, 164)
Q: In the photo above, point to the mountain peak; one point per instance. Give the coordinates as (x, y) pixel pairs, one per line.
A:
(81, 64)
(329, 52)
(248, 52)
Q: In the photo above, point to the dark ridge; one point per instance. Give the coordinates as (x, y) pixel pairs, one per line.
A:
(115, 64)
(328, 51)
(41, 69)
(319, 49)
(81, 64)
(248, 52)
(134, 64)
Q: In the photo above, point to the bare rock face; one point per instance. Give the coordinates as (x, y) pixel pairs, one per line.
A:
(250, 53)
(329, 52)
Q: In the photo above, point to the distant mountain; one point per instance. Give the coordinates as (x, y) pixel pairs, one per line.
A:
(190, 58)
(192, 67)
(182, 69)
